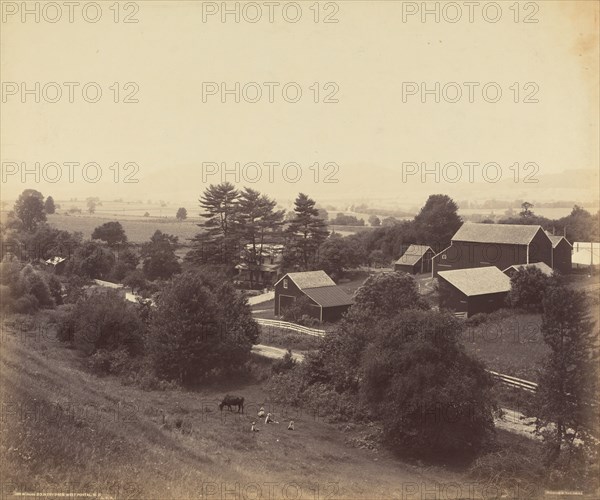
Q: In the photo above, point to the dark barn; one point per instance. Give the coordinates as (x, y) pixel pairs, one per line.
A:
(500, 245)
(416, 259)
(328, 300)
(562, 252)
(472, 291)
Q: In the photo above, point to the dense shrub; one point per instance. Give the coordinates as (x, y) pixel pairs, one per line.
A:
(432, 398)
(104, 362)
(284, 364)
(24, 289)
(36, 285)
(103, 321)
(301, 307)
(527, 287)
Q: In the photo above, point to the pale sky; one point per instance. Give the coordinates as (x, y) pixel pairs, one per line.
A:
(369, 133)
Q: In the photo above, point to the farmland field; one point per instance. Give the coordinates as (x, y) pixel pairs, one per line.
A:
(138, 230)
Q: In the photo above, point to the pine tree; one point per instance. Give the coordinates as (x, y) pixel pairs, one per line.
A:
(306, 231)
(219, 243)
(567, 390)
(259, 223)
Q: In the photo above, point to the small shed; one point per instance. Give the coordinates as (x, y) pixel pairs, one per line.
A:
(472, 291)
(416, 259)
(545, 268)
(562, 252)
(328, 300)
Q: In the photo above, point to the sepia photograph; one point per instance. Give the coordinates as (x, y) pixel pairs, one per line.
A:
(300, 250)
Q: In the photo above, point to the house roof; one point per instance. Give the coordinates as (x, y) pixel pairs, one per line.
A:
(310, 279)
(413, 254)
(55, 260)
(556, 239)
(329, 296)
(542, 266)
(513, 234)
(477, 280)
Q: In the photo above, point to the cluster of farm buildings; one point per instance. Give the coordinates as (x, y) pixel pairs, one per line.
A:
(473, 273)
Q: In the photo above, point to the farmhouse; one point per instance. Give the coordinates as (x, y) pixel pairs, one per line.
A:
(545, 268)
(57, 264)
(562, 251)
(267, 266)
(328, 301)
(416, 259)
(472, 291)
(500, 245)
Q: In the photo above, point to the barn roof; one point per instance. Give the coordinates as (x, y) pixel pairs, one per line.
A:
(108, 284)
(310, 279)
(556, 239)
(512, 234)
(413, 254)
(329, 296)
(477, 280)
(542, 266)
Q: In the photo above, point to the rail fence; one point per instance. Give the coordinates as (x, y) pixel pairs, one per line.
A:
(519, 383)
(290, 326)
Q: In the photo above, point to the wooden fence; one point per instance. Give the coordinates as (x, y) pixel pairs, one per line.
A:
(290, 326)
(519, 383)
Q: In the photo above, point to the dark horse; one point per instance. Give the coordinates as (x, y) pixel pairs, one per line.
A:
(230, 401)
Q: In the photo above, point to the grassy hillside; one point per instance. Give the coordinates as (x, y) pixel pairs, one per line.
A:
(64, 429)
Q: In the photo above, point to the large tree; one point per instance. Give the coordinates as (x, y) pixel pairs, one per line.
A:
(200, 326)
(110, 232)
(259, 223)
(181, 214)
(567, 396)
(580, 225)
(49, 205)
(29, 208)
(384, 294)
(159, 259)
(91, 260)
(218, 242)
(306, 231)
(437, 221)
(338, 254)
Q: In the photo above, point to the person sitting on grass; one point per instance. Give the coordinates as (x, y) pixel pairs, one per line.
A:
(261, 412)
(254, 429)
(269, 419)
(291, 426)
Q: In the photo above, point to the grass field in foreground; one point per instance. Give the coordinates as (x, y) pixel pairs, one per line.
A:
(64, 429)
